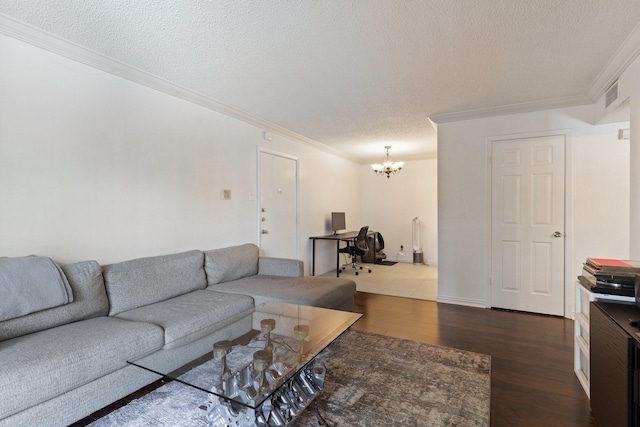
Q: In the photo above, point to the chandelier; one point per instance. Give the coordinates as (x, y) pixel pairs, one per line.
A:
(388, 166)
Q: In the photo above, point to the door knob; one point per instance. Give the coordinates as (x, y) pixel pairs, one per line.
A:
(557, 234)
(265, 231)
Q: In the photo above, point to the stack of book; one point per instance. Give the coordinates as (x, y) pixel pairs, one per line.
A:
(603, 272)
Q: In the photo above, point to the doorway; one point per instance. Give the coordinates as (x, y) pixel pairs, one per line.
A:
(278, 204)
(528, 223)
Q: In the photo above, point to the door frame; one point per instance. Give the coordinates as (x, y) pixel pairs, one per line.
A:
(569, 279)
(259, 151)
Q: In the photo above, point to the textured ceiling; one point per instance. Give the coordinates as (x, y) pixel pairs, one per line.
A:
(355, 75)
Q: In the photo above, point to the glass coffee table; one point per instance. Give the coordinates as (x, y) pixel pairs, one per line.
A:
(269, 373)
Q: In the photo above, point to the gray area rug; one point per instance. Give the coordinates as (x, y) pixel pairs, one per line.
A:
(372, 380)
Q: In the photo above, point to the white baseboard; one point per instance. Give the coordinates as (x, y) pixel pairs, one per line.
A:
(462, 301)
(408, 258)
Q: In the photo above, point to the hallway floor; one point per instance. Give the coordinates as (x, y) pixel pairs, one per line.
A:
(402, 280)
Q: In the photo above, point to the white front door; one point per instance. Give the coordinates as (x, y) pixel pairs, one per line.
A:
(278, 211)
(527, 224)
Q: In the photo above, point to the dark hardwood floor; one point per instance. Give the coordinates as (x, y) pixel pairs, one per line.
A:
(532, 378)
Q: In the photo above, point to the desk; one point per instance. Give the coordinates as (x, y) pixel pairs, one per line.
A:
(340, 237)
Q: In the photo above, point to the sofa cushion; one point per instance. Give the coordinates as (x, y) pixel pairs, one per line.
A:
(40, 366)
(139, 282)
(318, 291)
(30, 284)
(283, 267)
(234, 262)
(89, 300)
(189, 317)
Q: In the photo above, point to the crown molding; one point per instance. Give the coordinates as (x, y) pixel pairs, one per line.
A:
(504, 110)
(623, 57)
(27, 33)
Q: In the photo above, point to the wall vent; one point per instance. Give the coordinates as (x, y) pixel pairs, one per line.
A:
(611, 95)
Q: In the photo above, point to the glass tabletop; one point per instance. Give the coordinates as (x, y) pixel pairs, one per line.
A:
(279, 340)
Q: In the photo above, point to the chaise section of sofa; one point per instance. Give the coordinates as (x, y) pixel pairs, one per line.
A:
(335, 293)
(240, 270)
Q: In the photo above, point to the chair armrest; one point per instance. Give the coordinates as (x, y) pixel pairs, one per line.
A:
(287, 267)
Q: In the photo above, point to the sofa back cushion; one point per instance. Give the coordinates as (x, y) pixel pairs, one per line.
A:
(235, 262)
(139, 282)
(89, 300)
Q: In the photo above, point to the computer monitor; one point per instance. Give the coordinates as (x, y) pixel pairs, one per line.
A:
(338, 222)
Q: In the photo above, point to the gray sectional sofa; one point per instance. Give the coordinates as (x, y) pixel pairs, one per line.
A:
(63, 363)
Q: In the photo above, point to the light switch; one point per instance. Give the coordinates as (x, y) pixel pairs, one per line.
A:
(225, 194)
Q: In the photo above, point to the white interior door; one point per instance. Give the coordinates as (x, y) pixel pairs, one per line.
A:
(527, 217)
(278, 211)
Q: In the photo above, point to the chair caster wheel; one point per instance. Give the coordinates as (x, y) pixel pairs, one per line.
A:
(360, 268)
(356, 273)
(369, 271)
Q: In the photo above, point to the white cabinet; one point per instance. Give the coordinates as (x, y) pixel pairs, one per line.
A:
(581, 338)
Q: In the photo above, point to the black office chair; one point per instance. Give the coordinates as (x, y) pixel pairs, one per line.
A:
(376, 245)
(357, 248)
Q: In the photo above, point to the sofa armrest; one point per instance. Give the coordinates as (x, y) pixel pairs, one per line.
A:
(286, 267)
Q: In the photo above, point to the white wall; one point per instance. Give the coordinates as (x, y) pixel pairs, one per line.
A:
(324, 188)
(635, 166)
(390, 204)
(600, 196)
(629, 89)
(598, 192)
(93, 166)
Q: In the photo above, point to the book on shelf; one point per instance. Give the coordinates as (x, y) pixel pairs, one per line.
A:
(607, 262)
(590, 270)
(612, 266)
(609, 279)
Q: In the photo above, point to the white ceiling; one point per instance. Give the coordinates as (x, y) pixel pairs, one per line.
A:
(357, 75)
